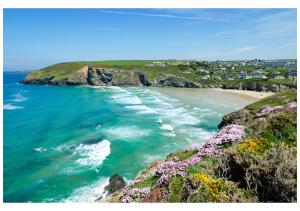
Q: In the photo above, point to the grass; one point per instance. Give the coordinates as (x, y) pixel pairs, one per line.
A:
(279, 99)
(181, 155)
(150, 182)
(58, 70)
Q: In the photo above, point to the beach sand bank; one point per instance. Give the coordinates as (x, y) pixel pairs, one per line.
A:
(254, 94)
(196, 97)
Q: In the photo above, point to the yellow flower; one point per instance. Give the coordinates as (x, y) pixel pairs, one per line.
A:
(251, 145)
(202, 177)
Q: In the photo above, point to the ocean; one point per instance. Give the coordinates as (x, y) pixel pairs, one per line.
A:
(61, 144)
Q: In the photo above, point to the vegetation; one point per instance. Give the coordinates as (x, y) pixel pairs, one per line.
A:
(200, 72)
(258, 166)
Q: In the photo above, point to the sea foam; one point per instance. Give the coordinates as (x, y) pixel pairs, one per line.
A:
(11, 107)
(39, 149)
(128, 132)
(19, 98)
(92, 154)
(89, 193)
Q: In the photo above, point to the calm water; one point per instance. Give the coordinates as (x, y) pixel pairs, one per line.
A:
(63, 143)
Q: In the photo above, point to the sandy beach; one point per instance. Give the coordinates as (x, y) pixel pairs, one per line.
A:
(201, 97)
(254, 94)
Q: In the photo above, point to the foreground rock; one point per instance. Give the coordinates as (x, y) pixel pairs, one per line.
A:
(116, 182)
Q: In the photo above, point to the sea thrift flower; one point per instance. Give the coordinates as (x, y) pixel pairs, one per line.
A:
(269, 109)
(290, 106)
(172, 168)
(130, 194)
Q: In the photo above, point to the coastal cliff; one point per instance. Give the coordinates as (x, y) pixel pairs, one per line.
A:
(251, 159)
(102, 74)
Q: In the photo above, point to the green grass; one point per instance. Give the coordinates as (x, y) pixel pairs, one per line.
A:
(150, 182)
(58, 70)
(279, 99)
(181, 155)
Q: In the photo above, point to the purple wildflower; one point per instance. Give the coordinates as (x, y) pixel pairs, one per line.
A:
(269, 109)
(290, 106)
(130, 194)
(172, 168)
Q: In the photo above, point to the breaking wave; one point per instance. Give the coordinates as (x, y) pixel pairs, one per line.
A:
(11, 107)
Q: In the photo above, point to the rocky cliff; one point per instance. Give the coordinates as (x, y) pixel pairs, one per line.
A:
(110, 77)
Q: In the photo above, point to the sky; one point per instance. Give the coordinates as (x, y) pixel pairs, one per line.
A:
(35, 38)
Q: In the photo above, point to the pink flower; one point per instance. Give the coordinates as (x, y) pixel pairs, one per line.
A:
(269, 109)
(172, 168)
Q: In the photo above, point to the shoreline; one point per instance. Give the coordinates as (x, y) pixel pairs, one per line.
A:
(201, 97)
(254, 94)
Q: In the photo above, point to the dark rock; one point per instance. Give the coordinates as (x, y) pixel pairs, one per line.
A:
(143, 79)
(238, 117)
(116, 182)
(46, 80)
(177, 82)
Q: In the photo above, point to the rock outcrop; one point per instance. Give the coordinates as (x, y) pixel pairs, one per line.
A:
(259, 87)
(116, 182)
(175, 81)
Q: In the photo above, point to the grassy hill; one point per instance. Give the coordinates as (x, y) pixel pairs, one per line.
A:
(153, 70)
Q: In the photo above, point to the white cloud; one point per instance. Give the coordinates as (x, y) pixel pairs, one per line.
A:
(167, 16)
(278, 24)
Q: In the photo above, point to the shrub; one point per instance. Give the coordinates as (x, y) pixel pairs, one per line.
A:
(205, 188)
(175, 189)
(254, 146)
(272, 175)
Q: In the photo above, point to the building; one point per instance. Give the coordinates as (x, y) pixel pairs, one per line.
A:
(279, 77)
(292, 74)
(205, 77)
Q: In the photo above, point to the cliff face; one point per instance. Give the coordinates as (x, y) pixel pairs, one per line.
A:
(251, 159)
(259, 87)
(111, 76)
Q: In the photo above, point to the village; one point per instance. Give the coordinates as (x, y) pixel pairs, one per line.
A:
(283, 69)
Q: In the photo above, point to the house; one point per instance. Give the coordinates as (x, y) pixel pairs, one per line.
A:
(275, 72)
(245, 76)
(260, 76)
(279, 77)
(292, 74)
(217, 78)
(256, 74)
(149, 65)
(205, 77)
(162, 64)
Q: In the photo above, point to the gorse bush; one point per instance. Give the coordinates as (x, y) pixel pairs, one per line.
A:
(272, 175)
(202, 187)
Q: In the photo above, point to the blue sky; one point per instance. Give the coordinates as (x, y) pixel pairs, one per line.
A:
(34, 38)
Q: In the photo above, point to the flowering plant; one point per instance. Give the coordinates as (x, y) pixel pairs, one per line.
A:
(269, 109)
(172, 168)
(130, 194)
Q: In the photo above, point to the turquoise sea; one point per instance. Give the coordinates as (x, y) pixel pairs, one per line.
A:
(63, 143)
